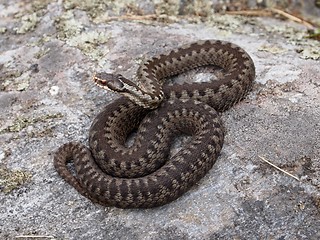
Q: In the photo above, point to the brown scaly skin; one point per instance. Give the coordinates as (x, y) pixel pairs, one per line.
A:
(144, 175)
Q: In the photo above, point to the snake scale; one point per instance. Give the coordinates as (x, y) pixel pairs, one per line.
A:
(144, 174)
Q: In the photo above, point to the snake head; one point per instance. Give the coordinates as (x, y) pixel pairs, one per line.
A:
(113, 82)
(119, 84)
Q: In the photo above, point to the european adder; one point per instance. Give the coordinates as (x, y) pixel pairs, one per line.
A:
(144, 175)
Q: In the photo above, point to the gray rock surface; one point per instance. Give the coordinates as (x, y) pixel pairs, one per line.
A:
(48, 53)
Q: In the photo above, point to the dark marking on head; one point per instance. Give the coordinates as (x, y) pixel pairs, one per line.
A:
(112, 81)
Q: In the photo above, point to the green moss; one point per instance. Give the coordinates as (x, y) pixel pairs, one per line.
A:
(272, 49)
(74, 34)
(23, 85)
(88, 43)
(23, 122)
(12, 179)
(12, 80)
(67, 26)
(310, 53)
(167, 7)
(3, 29)
(201, 8)
(30, 16)
(28, 23)
(8, 77)
(314, 34)
(93, 7)
(42, 52)
(38, 5)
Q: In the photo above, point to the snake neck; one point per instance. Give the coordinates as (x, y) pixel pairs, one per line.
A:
(148, 97)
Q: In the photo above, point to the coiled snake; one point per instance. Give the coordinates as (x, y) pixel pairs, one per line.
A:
(145, 175)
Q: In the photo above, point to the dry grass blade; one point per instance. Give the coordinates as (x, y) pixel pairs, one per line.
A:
(252, 13)
(265, 160)
(132, 17)
(34, 236)
(291, 17)
(269, 12)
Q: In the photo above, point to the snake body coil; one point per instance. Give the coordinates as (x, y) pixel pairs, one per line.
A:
(145, 175)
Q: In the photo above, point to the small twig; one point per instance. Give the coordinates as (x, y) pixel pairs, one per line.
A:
(132, 17)
(34, 236)
(262, 158)
(291, 17)
(270, 12)
(255, 13)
